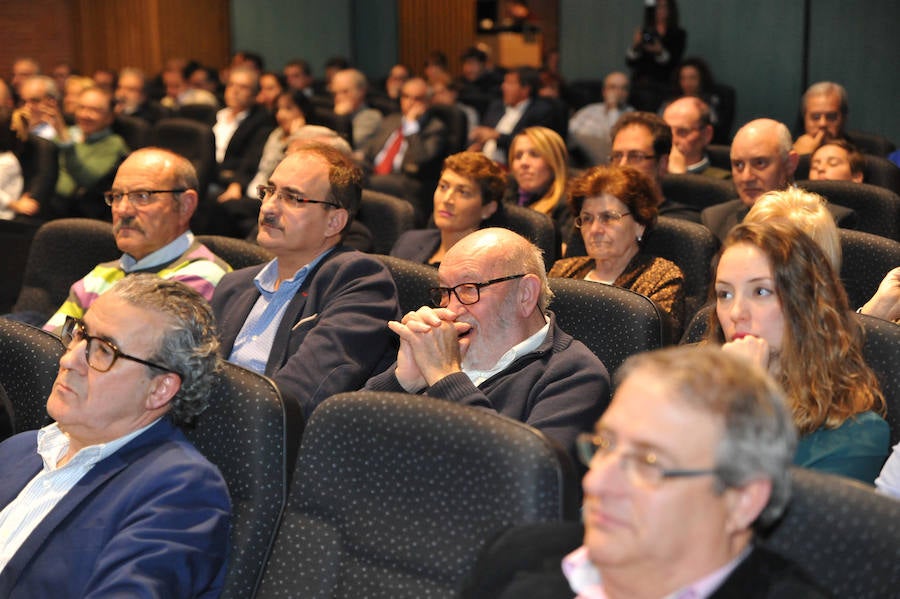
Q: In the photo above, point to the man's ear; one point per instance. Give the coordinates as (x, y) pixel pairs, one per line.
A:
(707, 133)
(163, 388)
(529, 292)
(187, 204)
(746, 503)
(793, 159)
(663, 165)
(337, 220)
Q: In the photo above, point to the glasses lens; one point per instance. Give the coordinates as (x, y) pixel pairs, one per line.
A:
(100, 354)
(440, 297)
(467, 294)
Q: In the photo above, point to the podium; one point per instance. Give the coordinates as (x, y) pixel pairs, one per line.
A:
(512, 50)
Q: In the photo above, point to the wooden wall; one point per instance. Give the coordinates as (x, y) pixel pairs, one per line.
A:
(448, 25)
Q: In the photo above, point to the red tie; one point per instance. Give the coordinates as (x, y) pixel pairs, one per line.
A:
(386, 166)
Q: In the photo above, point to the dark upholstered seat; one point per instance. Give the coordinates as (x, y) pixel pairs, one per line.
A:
(877, 208)
(236, 252)
(413, 280)
(394, 495)
(387, 217)
(697, 191)
(252, 436)
(536, 227)
(866, 259)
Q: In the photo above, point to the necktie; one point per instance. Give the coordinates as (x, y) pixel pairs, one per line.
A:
(386, 165)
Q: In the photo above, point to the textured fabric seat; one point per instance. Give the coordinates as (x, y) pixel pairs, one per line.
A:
(202, 113)
(843, 533)
(136, 132)
(252, 436)
(236, 252)
(192, 139)
(613, 322)
(30, 358)
(386, 216)
(457, 125)
(697, 191)
(871, 143)
(719, 155)
(413, 281)
(881, 172)
(877, 208)
(62, 252)
(394, 495)
(536, 227)
(866, 259)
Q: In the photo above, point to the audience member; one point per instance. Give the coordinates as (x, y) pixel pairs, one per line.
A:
(22, 69)
(539, 165)
(643, 141)
(590, 127)
(60, 72)
(693, 78)
(692, 131)
(479, 84)
(655, 50)
(490, 341)
(780, 304)
(71, 92)
(111, 500)
(153, 198)
(313, 319)
(175, 85)
(405, 153)
(349, 89)
(762, 160)
(106, 79)
(836, 160)
(469, 192)
(824, 108)
(446, 93)
(298, 75)
(202, 85)
(271, 85)
(398, 75)
(39, 103)
(436, 69)
(132, 100)
(519, 109)
(615, 209)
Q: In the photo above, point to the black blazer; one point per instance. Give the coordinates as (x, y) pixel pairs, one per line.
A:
(541, 112)
(720, 218)
(246, 143)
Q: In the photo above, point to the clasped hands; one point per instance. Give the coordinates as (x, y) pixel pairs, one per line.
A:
(430, 346)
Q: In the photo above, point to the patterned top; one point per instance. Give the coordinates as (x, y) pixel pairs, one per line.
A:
(657, 278)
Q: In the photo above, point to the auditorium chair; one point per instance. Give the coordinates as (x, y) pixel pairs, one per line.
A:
(413, 280)
(386, 216)
(877, 208)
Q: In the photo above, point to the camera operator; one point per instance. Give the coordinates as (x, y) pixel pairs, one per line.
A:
(656, 50)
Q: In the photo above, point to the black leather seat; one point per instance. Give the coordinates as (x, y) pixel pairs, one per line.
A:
(136, 132)
(236, 252)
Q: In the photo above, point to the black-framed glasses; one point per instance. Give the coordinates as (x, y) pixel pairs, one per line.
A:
(101, 354)
(289, 198)
(605, 218)
(466, 293)
(632, 157)
(642, 467)
(138, 199)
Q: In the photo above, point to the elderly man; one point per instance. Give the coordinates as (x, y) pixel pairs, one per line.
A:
(762, 160)
(490, 341)
(824, 108)
(112, 500)
(349, 88)
(132, 100)
(313, 318)
(692, 131)
(691, 456)
(298, 75)
(40, 99)
(152, 198)
(590, 127)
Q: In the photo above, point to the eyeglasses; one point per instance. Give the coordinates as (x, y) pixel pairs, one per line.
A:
(295, 200)
(101, 354)
(466, 293)
(138, 199)
(632, 157)
(605, 218)
(641, 467)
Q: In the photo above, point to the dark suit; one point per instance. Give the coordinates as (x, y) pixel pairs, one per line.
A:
(541, 112)
(417, 245)
(246, 143)
(333, 335)
(720, 218)
(150, 520)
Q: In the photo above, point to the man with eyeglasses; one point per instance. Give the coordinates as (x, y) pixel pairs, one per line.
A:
(314, 318)
(152, 199)
(691, 457)
(642, 140)
(112, 500)
(490, 342)
(692, 131)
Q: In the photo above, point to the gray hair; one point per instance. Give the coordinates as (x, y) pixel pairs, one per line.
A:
(323, 135)
(826, 88)
(50, 88)
(188, 346)
(759, 437)
(521, 255)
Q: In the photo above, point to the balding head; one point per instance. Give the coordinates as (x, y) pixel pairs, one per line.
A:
(615, 90)
(692, 131)
(762, 159)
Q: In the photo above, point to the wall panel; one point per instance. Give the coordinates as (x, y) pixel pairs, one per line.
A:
(447, 25)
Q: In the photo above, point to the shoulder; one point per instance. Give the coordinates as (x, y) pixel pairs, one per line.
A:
(568, 267)
(200, 253)
(351, 261)
(767, 575)
(411, 244)
(661, 266)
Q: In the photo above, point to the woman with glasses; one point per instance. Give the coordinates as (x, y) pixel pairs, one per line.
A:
(615, 208)
(780, 304)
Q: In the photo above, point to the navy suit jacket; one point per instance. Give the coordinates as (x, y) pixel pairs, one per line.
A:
(417, 245)
(150, 520)
(333, 335)
(541, 112)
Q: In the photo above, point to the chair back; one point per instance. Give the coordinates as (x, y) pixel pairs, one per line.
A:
(613, 322)
(62, 252)
(844, 534)
(877, 208)
(201, 113)
(39, 159)
(866, 259)
(30, 358)
(252, 436)
(192, 139)
(697, 191)
(413, 281)
(881, 172)
(871, 143)
(236, 252)
(386, 216)
(457, 125)
(136, 132)
(719, 155)
(395, 495)
(536, 227)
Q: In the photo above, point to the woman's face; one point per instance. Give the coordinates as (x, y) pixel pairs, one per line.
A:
(287, 113)
(269, 88)
(457, 203)
(531, 171)
(746, 301)
(612, 231)
(689, 81)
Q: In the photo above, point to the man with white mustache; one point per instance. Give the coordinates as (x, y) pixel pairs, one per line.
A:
(152, 199)
(490, 341)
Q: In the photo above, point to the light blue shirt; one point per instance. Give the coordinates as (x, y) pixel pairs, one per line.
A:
(254, 343)
(163, 255)
(23, 514)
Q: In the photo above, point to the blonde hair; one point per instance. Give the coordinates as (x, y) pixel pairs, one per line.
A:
(552, 149)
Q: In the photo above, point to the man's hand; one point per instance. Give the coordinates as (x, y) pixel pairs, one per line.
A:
(430, 348)
(26, 205)
(232, 192)
(343, 107)
(807, 144)
(482, 134)
(886, 301)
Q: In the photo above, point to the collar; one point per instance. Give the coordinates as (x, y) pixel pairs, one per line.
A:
(520, 349)
(163, 255)
(53, 443)
(699, 167)
(266, 280)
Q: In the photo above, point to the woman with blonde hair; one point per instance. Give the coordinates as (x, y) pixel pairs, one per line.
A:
(780, 304)
(538, 163)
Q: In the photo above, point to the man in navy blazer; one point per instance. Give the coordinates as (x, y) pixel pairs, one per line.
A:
(112, 500)
(314, 318)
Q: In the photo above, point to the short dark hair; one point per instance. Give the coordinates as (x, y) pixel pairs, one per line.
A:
(344, 177)
(661, 132)
(529, 77)
(473, 53)
(483, 171)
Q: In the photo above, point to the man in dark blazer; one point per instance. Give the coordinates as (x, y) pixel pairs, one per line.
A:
(762, 160)
(519, 109)
(405, 155)
(314, 318)
(112, 500)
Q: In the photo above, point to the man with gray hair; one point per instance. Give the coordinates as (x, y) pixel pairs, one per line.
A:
(349, 87)
(40, 99)
(824, 107)
(490, 342)
(112, 499)
(691, 457)
(762, 160)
